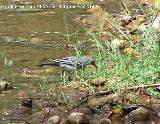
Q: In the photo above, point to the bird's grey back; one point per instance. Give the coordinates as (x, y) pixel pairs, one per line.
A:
(78, 62)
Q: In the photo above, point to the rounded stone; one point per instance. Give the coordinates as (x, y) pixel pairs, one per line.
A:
(77, 118)
(53, 120)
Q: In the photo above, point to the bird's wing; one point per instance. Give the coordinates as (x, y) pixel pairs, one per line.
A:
(76, 62)
(70, 61)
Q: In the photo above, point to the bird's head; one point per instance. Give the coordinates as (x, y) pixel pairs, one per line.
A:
(87, 60)
(92, 62)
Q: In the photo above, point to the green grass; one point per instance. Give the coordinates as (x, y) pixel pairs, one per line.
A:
(126, 71)
(152, 92)
(7, 70)
(44, 85)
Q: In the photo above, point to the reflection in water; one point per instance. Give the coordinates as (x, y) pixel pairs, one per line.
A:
(48, 23)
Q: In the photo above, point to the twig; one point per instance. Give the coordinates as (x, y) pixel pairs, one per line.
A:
(106, 92)
(103, 92)
(46, 116)
(143, 86)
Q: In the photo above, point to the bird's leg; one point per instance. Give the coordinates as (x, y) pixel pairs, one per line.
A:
(64, 77)
(70, 76)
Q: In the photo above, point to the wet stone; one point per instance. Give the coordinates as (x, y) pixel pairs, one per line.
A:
(118, 44)
(53, 120)
(98, 81)
(139, 114)
(105, 121)
(37, 41)
(154, 117)
(77, 118)
(83, 110)
(27, 102)
(25, 105)
(4, 85)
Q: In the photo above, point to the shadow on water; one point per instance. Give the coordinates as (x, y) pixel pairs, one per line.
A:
(49, 25)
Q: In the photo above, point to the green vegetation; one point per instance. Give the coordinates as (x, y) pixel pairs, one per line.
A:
(8, 70)
(152, 92)
(123, 70)
(43, 84)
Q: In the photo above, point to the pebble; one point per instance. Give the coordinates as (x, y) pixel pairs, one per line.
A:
(139, 114)
(37, 41)
(53, 120)
(4, 85)
(77, 118)
(98, 81)
(84, 110)
(105, 121)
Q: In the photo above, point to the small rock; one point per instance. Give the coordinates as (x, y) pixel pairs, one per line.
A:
(98, 81)
(118, 44)
(139, 114)
(4, 85)
(83, 110)
(26, 102)
(37, 41)
(105, 121)
(25, 105)
(77, 118)
(53, 120)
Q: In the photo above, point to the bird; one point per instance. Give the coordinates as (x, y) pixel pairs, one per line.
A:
(71, 63)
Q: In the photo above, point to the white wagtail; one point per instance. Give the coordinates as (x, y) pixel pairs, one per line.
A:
(71, 63)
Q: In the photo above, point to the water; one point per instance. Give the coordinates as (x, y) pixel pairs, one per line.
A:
(18, 27)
